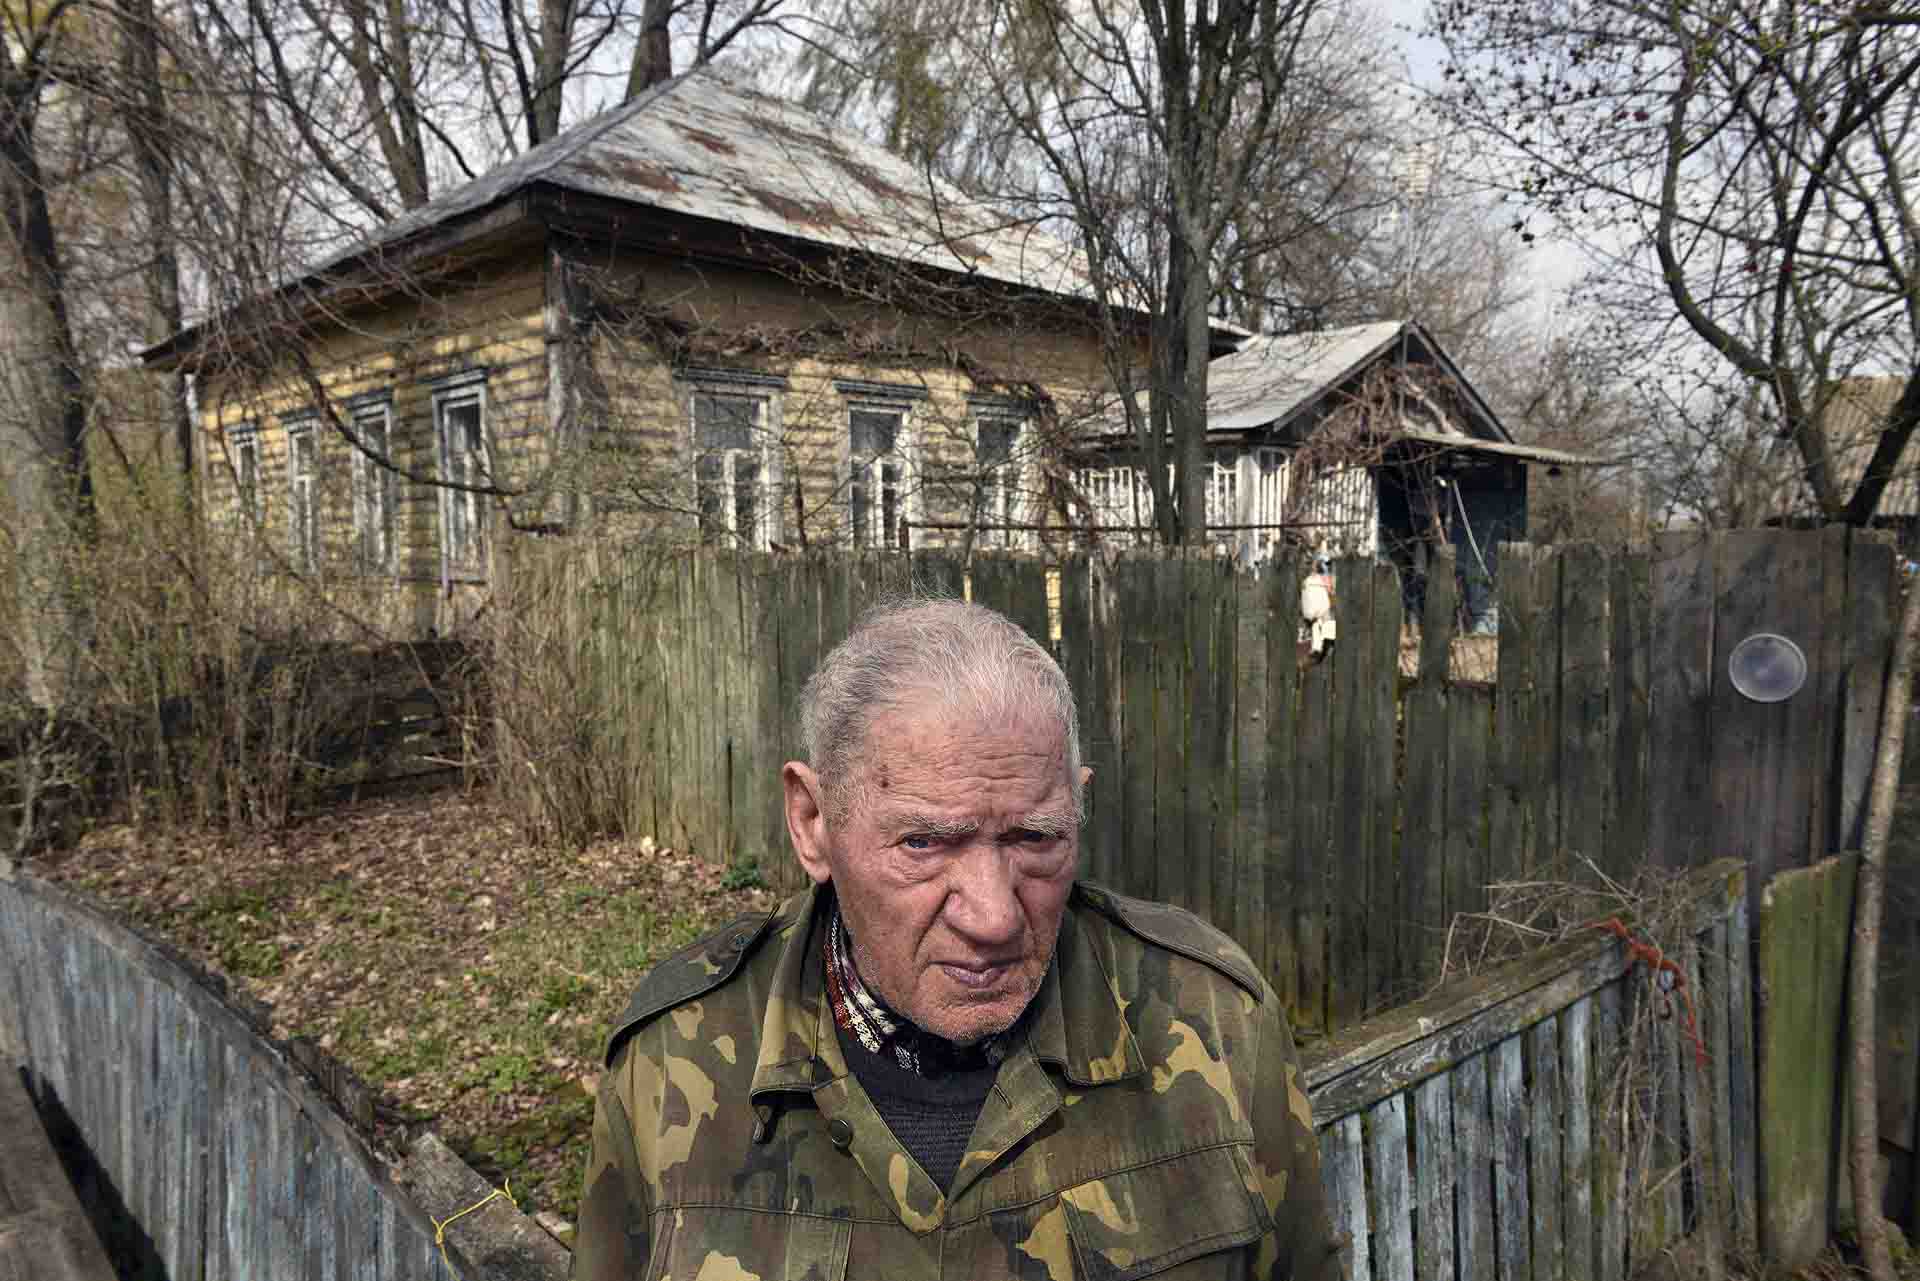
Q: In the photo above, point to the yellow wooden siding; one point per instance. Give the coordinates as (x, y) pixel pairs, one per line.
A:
(403, 352)
(765, 322)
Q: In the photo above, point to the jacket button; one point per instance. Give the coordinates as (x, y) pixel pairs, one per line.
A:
(840, 1132)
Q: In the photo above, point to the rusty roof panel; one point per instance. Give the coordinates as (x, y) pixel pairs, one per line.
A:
(706, 148)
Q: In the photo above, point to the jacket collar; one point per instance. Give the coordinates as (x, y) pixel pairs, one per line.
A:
(1092, 1047)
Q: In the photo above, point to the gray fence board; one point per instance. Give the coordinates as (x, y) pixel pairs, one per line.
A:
(1343, 1174)
(1576, 1062)
(1390, 1186)
(1434, 1150)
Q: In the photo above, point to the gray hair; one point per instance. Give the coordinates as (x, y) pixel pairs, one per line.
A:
(973, 658)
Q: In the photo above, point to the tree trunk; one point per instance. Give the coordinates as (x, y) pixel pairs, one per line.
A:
(652, 53)
(43, 413)
(550, 67)
(1864, 1150)
(148, 122)
(1190, 436)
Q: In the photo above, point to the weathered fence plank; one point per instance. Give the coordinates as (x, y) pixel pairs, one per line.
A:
(1630, 607)
(1436, 1153)
(1585, 740)
(1386, 927)
(1802, 976)
(1545, 1168)
(1390, 1185)
(1312, 862)
(1425, 866)
(1473, 1166)
(1343, 1174)
(1514, 771)
(1513, 1213)
(1253, 738)
(1680, 828)
(1611, 1139)
(1576, 1061)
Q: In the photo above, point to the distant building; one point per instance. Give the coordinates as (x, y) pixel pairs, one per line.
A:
(1366, 440)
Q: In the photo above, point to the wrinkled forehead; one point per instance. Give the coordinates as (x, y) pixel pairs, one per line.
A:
(932, 731)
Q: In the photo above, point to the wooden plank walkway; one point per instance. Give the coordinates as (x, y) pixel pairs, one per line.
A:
(44, 1234)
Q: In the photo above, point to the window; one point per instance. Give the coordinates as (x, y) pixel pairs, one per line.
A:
(1000, 495)
(1223, 492)
(373, 489)
(460, 420)
(733, 484)
(880, 474)
(303, 497)
(245, 455)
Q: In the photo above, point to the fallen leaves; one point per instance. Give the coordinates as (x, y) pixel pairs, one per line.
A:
(465, 975)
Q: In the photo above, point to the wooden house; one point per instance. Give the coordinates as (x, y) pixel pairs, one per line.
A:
(1365, 441)
(706, 316)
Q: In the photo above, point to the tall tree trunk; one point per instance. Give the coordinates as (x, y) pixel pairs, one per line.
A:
(1864, 1149)
(43, 410)
(653, 53)
(550, 66)
(1190, 433)
(149, 125)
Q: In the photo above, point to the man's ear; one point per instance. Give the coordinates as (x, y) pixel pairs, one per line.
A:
(1086, 775)
(807, 820)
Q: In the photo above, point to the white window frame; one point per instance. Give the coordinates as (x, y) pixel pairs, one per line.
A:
(375, 492)
(1002, 490)
(868, 475)
(463, 529)
(243, 447)
(763, 394)
(303, 497)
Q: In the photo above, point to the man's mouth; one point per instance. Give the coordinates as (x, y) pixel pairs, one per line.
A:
(978, 975)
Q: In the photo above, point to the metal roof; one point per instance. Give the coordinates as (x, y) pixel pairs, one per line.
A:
(705, 147)
(1272, 375)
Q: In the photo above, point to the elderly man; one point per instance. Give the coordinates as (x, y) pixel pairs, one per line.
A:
(947, 1059)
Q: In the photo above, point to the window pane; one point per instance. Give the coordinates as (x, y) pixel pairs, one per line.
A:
(724, 422)
(746, 498)
(997, 437)
(874, 432)
(889, 502)
(859, 503)
(709, 483)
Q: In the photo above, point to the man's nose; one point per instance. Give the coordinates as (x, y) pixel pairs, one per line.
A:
(981, 904)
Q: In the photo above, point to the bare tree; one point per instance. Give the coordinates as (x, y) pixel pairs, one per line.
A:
(1758, 164)
(43, 388)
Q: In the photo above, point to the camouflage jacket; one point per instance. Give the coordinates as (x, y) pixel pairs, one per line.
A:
(1151, 1124)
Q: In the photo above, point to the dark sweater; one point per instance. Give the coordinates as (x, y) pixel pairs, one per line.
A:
(932, 1116)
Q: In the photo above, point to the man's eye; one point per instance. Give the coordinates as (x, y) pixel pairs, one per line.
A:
(1028, 836)
(918, 841)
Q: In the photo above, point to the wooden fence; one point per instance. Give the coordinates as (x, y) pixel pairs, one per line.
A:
(210, 1150)
(1318, 812)
(1563, 1119)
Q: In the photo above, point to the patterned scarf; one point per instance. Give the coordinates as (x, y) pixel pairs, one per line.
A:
(860, 1011)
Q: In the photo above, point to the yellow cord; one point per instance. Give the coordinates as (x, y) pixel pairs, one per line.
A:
(440, 1226)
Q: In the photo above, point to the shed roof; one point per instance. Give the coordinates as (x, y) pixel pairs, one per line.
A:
(1273, 375)
(705, 147)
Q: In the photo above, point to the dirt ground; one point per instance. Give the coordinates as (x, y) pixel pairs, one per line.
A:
(464, 975)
